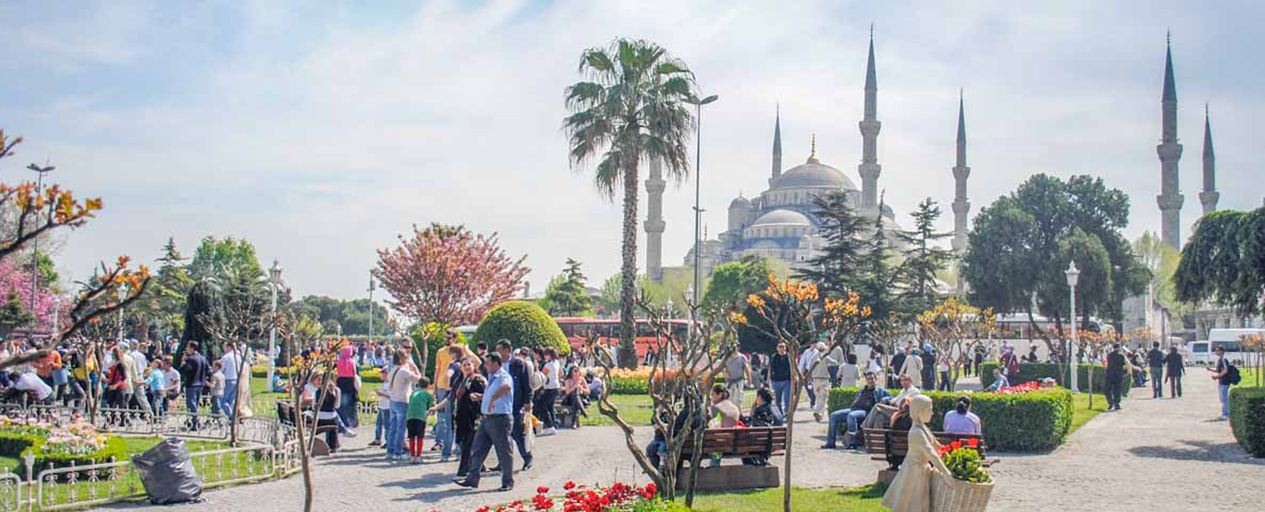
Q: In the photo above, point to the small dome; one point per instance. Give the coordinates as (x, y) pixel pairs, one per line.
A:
(814, 174)
(782, 218)
(740, 202)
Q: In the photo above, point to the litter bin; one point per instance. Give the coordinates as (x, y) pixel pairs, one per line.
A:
(167, 472)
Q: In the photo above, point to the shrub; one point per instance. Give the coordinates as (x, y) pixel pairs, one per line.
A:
(115, 450)
(524, 324)
(1029, 372)
(13, 443)
(1247, 418)
(434, 335)
(1025, 422)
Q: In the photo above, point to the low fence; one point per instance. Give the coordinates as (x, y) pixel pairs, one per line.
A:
(272, 452)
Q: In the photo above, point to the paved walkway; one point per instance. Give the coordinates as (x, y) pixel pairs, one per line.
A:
(1154, 455)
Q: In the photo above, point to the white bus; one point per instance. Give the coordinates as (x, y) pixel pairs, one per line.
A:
(1204, 352)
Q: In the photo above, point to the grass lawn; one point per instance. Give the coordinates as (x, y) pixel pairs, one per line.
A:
(1247, 377)
(861, 499)
(636, 409)
(1082, 413)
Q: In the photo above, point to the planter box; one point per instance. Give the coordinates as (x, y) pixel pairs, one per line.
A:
(951, 495)
(726, 478)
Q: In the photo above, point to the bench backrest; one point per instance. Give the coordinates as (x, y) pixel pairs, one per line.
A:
(740, 442)
(896, 442)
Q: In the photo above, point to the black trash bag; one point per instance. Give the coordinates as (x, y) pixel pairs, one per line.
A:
(168, 474)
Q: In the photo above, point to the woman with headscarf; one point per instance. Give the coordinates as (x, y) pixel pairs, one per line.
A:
(911, 490)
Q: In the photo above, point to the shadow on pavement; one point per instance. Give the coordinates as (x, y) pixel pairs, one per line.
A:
(1229, 453)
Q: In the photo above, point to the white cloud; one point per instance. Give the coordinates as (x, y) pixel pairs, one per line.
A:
(321, 138)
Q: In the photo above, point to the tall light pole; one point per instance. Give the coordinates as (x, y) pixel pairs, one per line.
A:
(35, 243)
(698, 163)
(1073, 275)
(274, 279)
(372, 286)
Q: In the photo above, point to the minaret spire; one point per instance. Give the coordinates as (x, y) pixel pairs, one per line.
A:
(777, 145)
(870, 126)
(1209, 196)
(655, 185)
(1170, 152)
(961, 206)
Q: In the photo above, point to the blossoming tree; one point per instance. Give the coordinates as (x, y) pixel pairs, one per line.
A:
(796, 314)
(953, 327)
(447, 274)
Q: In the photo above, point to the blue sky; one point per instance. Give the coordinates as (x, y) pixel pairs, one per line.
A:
(322, 130)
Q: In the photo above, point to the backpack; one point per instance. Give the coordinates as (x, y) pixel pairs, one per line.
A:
(537, 380)
(1232, 374)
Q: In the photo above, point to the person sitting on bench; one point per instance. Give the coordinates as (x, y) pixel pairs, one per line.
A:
(762, 415)
(852, 416)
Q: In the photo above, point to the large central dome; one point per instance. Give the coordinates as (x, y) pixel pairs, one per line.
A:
(813, 174)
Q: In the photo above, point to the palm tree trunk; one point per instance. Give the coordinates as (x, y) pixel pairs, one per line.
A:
(628, 288)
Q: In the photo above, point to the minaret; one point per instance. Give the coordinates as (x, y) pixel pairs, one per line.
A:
(777, 146)
(1209, 196)
(1170, 199)
(869, 168)
(655, 186)
(961, 206)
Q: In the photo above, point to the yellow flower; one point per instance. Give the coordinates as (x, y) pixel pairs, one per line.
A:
(755, 301)
(737, 317)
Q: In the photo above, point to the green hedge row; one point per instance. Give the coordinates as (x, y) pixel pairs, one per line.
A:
(17, 445)
(1029, 372)
(1247, 418)
(1026, 422)
(371, 376)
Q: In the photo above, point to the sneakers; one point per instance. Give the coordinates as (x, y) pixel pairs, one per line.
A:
(817, 416)
(375, 442)
(350, 433)
(415, 460)
(548, 432)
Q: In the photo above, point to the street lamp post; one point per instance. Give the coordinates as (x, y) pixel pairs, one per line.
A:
(274, 279)
(698, 163)
(35, 243)
(372, 287)
(1073, 275)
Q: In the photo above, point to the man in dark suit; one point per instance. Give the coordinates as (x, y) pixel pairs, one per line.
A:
(1116, 365)
(520, 371)
(1155, 360)
(1176, 368)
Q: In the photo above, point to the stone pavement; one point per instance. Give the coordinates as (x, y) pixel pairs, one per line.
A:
(1153, 456)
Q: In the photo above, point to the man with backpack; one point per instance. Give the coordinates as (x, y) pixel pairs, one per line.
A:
(1226, 375)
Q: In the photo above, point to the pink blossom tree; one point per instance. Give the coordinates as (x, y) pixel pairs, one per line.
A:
(449, 275)
(16, 281)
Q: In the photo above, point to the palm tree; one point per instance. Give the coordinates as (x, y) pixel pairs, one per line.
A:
(629, 107)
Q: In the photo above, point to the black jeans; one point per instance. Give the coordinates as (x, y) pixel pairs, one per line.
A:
(544, 407)
(494, 432)
(1112, 390)
(519, 435)
(1175, 385)
(331, 435)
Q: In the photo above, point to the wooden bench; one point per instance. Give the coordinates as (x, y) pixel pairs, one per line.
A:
(562, 413)
(285, 414)
(735, 443)
(892, 446)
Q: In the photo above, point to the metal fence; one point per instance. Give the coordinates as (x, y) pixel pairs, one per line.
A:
(272, 452)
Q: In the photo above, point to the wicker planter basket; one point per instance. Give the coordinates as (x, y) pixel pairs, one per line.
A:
(952, 495)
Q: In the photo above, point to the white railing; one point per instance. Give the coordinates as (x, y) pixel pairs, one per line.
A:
(11, 487)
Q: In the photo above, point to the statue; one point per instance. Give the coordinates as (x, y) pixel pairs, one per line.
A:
(911, 490)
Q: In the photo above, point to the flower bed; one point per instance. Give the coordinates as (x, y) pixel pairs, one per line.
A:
(618, 497)
(369, 375)
(1030, 372)
(637, 381)
(1018, 422)
(58, 446)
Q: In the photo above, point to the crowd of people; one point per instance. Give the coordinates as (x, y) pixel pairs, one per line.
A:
(131, 375)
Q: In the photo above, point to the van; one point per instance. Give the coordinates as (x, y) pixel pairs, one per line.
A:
(1204, 352)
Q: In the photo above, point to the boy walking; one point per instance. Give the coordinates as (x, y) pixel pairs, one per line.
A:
(418, 405)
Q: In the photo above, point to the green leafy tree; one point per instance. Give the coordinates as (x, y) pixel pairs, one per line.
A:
(14, 314)
(628, 109)
(1161, 259)
(732, 282)
(923, 261)
(834, 269)
(524, 324)
(567, 295)
(216, 257)
(1021, 245)
(1224, 262)
(607, 300)
(876, 277)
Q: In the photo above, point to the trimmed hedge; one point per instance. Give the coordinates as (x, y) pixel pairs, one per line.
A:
(1026, 422)
(17, 445)
(524, 324)
(368, 376)
(1029, 372)
(1247, 418)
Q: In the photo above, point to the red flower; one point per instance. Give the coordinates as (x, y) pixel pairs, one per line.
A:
(542, 490)
(568, 486)
(972, 442)
(956, 444)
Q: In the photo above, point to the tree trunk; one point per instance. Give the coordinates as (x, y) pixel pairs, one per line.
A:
(790, 431)
(1090, 384)
(628, 288)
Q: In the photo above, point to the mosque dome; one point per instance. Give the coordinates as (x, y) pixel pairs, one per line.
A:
(814, 174)
(740, 202)
(782, 218)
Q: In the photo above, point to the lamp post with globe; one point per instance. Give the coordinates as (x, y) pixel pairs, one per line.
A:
(274, 280)
(1073, 275)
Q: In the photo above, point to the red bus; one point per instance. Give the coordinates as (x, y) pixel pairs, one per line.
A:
(577, 331)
